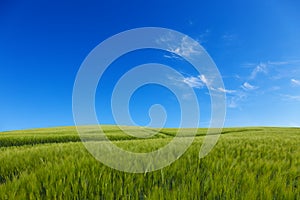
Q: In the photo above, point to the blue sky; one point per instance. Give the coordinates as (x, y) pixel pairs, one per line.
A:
(255, 45)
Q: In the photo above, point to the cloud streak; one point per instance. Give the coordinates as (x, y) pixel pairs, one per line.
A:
(234, 101)
(195, 82)
(292, 97)
(261, 68)
(198, 82)
(185, 46)
(265, 71)
(247, 86)
(295, 82)
(226, 91)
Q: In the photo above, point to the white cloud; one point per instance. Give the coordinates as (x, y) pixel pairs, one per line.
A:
(277, 69)
(282, 69)
(187, 96)
(204, 79)
(190, 81)
(292, 97)
(201, 81)
(173, 56)
(232, 104)
(229, 38)
(235, 100)
(247, 86)
(193, 81)
(279, 62)
(261, 68)
(185, 46)
(295, 82)
(203, 38)
(178, 82)
(226, 91)
(274, 88)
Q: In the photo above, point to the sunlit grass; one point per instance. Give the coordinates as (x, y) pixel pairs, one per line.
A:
(246, 163)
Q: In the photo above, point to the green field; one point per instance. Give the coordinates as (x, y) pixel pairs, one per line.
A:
(246, 163)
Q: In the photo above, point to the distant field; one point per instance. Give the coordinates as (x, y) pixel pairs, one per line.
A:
(246, 163)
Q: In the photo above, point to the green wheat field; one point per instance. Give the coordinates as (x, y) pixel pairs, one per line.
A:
(246, 163)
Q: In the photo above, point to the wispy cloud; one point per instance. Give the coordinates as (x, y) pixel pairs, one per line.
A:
(273, 63)
(230, 38)
(235, 100)
(173, 56)
(279, 63)
(184, 82)
(184, 46)
(260, 68)
(198, 82)
(295, 82)
(291, 97)
(255, 82)
(274, 88)
(201, 81)
(204, 79)
(237, 97)
(192, 81)
(203, 37)
(275, 69)
(226, 91)
(247, 86)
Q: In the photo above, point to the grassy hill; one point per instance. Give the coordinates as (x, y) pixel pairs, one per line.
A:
(246, 163)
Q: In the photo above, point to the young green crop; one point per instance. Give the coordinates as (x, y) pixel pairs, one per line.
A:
(246, 163)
